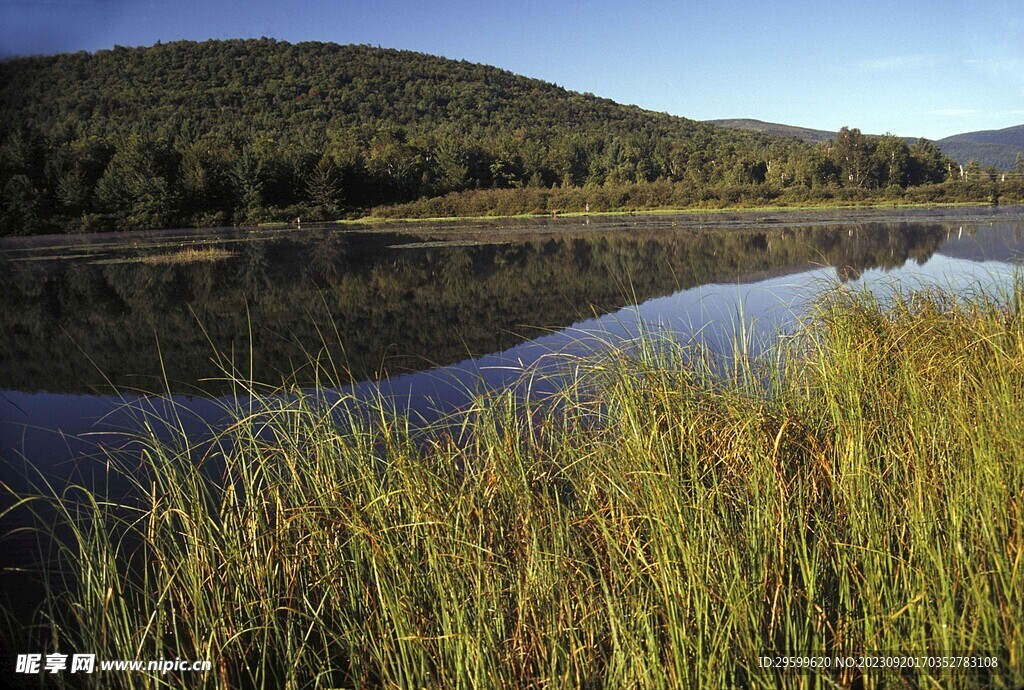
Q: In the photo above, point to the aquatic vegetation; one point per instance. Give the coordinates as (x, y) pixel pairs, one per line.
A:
(663, 521)
(189, 255)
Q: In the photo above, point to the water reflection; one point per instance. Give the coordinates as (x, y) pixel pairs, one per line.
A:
(381, 303)
(422, 318)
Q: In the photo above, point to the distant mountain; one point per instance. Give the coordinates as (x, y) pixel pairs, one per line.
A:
(814, 136)
(991, 148)
(995, 147)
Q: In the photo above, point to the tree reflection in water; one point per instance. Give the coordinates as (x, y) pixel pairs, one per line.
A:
(398, 301)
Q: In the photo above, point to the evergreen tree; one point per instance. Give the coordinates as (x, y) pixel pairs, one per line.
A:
(322, 188)
(136, 185)
(18, 206)
(248, 177)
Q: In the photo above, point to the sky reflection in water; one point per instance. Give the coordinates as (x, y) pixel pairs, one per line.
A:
(59, 429)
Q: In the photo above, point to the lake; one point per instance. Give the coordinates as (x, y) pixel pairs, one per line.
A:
(423, 315)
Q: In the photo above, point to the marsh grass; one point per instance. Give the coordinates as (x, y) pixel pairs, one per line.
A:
(661, 522)
(189, 255)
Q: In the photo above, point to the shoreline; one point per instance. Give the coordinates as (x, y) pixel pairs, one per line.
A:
(690, 211)
(694, 218)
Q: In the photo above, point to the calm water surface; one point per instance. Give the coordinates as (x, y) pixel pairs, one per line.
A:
(421, 315)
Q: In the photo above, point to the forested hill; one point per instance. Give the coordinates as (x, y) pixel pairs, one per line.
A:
(240, 88)
(814, 136)
(242, 131)
(1000, 148)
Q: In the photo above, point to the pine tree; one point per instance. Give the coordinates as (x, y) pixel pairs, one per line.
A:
(322, 188)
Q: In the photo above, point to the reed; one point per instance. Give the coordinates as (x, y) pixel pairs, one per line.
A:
(662, 522)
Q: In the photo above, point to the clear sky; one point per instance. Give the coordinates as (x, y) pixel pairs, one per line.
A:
(914, 68)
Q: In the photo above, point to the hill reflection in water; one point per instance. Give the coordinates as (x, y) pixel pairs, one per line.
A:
(379, 303)
(422, 318)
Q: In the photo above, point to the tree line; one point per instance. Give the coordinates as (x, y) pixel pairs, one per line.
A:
(240, 132)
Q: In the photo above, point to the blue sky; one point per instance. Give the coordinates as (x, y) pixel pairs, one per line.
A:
(912, 68)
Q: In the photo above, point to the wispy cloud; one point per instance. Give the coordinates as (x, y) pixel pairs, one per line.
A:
(900, 63)
(998, 64)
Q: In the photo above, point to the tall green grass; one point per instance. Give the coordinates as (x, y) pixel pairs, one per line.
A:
(655, 525)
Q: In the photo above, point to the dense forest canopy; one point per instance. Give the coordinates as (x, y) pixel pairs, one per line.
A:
(244, 131)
